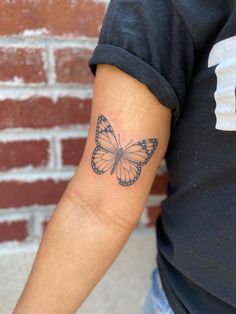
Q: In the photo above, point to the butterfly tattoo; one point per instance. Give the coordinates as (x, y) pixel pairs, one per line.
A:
(109, 155)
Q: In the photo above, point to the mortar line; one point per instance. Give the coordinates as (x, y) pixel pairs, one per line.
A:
(42, 42)
(73, 131)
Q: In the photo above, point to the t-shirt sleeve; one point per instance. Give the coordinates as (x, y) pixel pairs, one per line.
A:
(148, 40)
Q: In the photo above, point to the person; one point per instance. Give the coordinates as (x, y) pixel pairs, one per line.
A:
(164, 88)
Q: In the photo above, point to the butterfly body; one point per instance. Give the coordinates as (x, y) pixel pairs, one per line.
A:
(126, 161)
(118, 157)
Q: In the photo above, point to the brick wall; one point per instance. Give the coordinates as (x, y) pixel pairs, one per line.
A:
(45, 103)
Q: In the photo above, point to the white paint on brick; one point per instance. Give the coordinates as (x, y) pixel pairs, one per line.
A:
(16, 216)
(155, 200)
(42, 42)
(17, 81)
(162, 168)
(73, 131)
(34, 32)
(51, 155)
(26, 169)
(45, 63)
(51, 65)
(35, 175)
(26, 210)
(54, 92)
(18, 247)
(58, 153)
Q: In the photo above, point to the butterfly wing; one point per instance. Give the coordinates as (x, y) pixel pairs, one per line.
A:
(104, 154)
(127, 171)
(105, 135)
(102, 160)
(141, 152)
(133, 157)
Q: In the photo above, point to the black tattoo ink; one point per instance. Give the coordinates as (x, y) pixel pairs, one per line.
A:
(126, 161)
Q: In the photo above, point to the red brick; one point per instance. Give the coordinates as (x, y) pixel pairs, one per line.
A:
(23, 153)
(17, 194)
(72, 66)
(72, 151)
(70, 18)
(160, 184)
(153, 213)
(43, 112)
(15, 230)
(26, 64)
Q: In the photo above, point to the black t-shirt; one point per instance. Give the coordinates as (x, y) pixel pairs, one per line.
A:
(185, 53)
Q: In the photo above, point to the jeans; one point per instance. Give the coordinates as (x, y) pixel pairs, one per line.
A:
(156, 301)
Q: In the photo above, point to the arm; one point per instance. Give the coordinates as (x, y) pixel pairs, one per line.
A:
(96, 214)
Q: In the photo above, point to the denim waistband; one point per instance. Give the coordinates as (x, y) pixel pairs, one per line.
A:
(156, 301)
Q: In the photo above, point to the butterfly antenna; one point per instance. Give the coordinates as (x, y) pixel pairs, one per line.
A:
(128, 144)
(119, 139)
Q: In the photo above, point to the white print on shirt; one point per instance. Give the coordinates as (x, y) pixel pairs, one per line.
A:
(223, 54)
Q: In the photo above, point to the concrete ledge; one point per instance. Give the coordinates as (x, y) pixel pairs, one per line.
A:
(122, 290)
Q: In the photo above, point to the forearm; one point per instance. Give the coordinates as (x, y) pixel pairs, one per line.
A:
(77, 248)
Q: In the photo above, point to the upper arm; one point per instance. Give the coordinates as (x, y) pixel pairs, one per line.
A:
(132, 112)
(144, 60)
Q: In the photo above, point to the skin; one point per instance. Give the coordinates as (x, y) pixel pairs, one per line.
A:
(96, 211)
